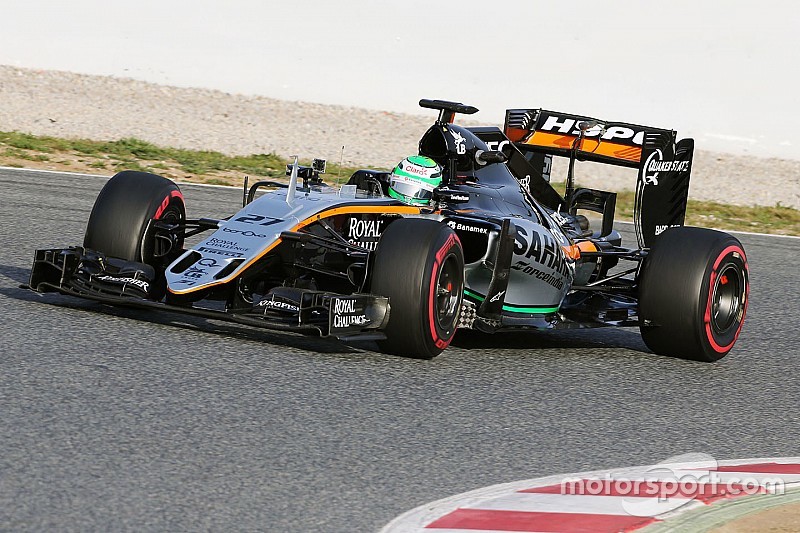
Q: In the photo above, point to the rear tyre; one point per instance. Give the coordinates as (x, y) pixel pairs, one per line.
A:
(693, 294)
(419, 265)
(119, 225)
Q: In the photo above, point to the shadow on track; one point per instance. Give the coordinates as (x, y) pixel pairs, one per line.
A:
(16, 274)
(590, 338)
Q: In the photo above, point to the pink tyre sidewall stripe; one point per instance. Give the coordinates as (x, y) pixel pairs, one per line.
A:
(707, 315)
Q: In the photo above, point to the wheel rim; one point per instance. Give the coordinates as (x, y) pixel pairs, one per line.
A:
(726, 300)
(448, 287)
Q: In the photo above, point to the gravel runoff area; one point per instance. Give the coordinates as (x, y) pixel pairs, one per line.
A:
(64, 104)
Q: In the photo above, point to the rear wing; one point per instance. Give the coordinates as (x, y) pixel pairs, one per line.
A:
(616, 143)
(664, 163)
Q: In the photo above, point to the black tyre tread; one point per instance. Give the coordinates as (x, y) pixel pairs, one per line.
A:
(674, 292)
(122, 210)
(403, 259)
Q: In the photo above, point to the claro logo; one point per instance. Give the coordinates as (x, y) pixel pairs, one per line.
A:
(627, 135)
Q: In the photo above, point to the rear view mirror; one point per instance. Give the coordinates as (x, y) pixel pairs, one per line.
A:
(491, 156)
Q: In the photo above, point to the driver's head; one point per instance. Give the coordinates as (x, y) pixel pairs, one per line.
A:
(413, 179)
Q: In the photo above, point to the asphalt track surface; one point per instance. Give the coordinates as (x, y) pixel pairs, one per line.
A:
(114, 419)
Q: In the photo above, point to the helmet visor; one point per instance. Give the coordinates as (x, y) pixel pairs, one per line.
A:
(411, 188)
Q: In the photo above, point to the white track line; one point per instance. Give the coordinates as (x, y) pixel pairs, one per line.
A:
(15, 169)
(577, 503)
(82, 175)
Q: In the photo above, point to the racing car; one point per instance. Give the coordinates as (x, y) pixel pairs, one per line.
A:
(484, 243)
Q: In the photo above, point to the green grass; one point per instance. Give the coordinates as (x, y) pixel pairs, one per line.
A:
(25, 141)
(215, 181)
(763, 219)
(24, 154)
(135, 154)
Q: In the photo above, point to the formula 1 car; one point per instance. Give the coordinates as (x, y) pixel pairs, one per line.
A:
(496, 249)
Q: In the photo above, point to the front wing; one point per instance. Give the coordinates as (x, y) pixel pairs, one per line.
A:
(86, 274)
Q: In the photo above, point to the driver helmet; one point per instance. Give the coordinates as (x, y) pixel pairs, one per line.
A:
(413, 179)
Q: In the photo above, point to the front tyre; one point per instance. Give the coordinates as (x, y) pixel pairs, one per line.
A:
(693, 294)
(120, 219)
(419, 265)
